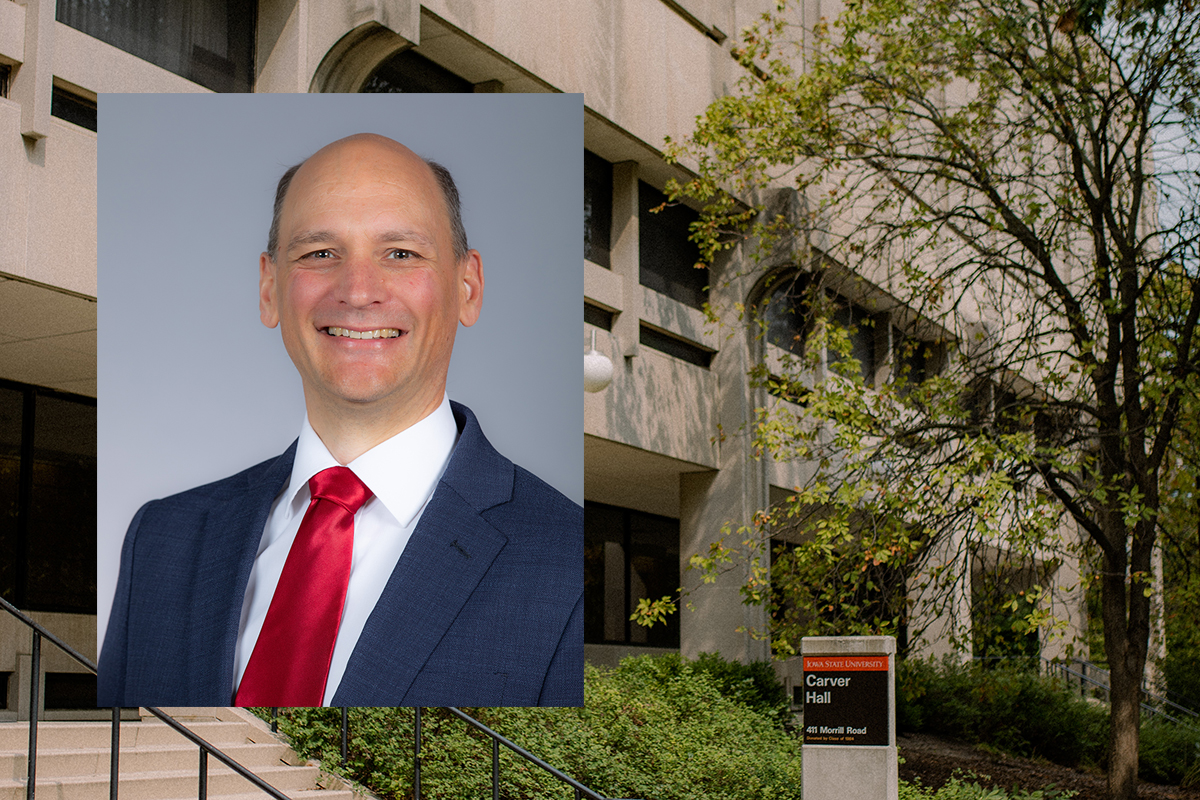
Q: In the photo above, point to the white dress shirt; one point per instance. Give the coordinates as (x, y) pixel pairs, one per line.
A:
(402, 472)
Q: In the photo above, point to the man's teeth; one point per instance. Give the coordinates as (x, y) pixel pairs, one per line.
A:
(382, 333)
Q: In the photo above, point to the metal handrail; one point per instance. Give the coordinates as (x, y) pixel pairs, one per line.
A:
(1152, 705)
(497, 740)
(206, 748)
(1156, 699)
(39, 633)
(581, 791)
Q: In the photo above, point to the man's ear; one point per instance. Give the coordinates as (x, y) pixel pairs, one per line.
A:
(268, 312)
(472, 289)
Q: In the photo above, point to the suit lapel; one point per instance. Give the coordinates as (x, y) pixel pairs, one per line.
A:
(231, 536)
(448, 554)
(450, 551)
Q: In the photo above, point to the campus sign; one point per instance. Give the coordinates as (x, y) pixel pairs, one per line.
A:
(846, 699)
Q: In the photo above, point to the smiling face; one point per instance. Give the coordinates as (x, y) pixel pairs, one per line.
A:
(365, 286)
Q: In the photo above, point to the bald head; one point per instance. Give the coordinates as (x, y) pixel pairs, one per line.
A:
(381, 151)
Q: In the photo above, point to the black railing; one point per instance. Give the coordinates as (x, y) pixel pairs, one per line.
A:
(1093, 677)
(497, 740)
(206, 748)
(1093, 680)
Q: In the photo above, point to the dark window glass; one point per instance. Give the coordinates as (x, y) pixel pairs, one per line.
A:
(594, 315)
(997, 614)
(597, 209)
(667, 259)
(861, 328)
(786, 313)
(628, 555)
(73, 108)
(913, 357)
(5, 74)
(47, 500)
(915, 361)
(70, 690)
(12, 402)
(209, 42)
(675, 347)
(62, 515)
(408, 72)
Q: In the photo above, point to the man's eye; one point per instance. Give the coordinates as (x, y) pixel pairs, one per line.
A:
(320, 254)
(401, 255)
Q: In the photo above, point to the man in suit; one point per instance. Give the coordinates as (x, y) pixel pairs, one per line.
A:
(464, 582)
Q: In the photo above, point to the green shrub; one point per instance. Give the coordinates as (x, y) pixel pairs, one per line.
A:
(1021, 712)
(653, 727)
(1016, 710)
(754, 685)
(1169, 753)
(963, 789)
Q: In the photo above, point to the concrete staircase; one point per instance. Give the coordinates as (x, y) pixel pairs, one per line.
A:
(156, 763)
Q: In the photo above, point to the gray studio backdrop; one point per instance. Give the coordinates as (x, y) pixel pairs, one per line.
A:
(193, 388)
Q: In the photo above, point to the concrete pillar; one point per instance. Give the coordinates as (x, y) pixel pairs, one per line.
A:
(850, 698)
(34, 81)
(625, 262)
(725, 499)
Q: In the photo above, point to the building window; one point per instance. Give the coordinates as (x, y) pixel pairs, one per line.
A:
(667, 259)
(209, 42)
(73, 108)
(860, 325)
(600, 317)
(628, 555)
(672, 346)
(786, 315)
(789, 311)
(914, 358)
(597, 209)
(409, 72)
(48, 499)
(914, 361)
(5, 74)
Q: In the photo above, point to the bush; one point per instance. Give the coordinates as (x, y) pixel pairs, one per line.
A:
(1016, 710)
(1028, 714)
(960, 789)
(652, 727)
(753, 685)
(1169, 753)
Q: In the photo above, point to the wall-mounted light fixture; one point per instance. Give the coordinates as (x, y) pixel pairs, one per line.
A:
(597, 369)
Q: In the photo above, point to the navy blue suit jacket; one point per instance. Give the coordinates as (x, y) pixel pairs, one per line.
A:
(484, 608)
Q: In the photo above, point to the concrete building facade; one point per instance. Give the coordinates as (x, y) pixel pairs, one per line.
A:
(667, 461)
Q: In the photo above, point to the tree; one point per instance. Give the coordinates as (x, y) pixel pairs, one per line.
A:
(1017, 176)
(1179, 670)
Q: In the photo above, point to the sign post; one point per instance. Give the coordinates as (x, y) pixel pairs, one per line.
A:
(849, 749)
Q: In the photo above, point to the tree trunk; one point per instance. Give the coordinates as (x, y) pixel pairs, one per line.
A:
(1125, 642)
(1123, 734)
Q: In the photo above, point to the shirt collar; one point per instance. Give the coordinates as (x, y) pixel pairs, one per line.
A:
(402, 471)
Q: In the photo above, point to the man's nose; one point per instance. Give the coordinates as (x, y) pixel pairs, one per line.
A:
(361, 281)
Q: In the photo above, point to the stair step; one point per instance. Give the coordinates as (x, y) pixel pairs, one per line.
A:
(157, 785)
(95, 761)
(14, 736)
(156, 762)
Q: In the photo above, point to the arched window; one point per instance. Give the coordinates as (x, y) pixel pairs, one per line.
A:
(410, 72)
(795, 302)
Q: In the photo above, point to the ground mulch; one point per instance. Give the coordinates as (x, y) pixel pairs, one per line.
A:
(933, 760)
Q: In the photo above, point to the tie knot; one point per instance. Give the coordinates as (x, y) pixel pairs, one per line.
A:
(340, 485)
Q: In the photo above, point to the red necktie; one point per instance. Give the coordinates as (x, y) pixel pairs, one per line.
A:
(290, 662)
